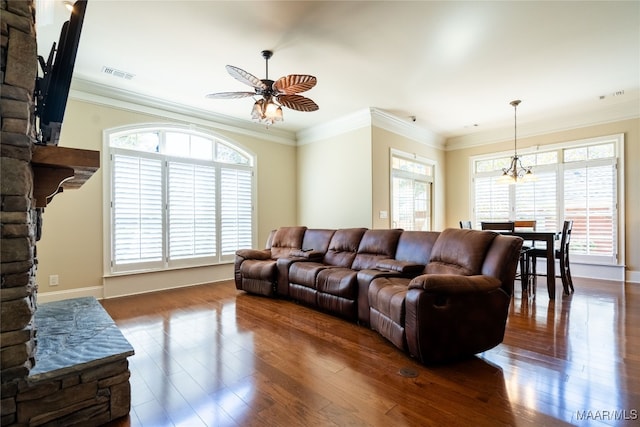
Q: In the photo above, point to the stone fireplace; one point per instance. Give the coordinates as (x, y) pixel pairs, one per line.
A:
(61, 363)
(19, 220)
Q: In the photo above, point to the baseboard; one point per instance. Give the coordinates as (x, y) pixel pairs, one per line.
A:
(93, 291)
(632, 276)
(592, 271)
(134, 284)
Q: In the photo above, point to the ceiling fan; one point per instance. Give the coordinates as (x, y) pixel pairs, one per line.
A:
(285, 91)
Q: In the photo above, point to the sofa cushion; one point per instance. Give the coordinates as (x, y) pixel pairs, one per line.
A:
(344, 246)
(317, 240)
(414, 247)
(304, 273)
(460, 251)
(340, 282)
(286, 239)
(376, 245)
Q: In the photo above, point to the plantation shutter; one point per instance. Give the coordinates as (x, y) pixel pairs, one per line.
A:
(136, 210)
(590, 201)
(411, 204)
(236, 207)
(537, 200)
(192, 216)
(491, 199)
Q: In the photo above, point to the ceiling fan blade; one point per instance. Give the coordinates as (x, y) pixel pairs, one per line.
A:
(245, 77)
(297, 102)
(229, 95)
(294, 83)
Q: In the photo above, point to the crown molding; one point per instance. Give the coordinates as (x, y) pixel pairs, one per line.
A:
(84, 90)
(344, 124)
(549, 123)
(369, 117)
(401, 126)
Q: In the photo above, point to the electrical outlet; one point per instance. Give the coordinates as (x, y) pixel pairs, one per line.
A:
(53, 280)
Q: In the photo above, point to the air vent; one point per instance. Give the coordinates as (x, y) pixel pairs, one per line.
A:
(117, 73)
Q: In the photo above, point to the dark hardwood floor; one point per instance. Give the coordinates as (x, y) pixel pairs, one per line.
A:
(210, 355)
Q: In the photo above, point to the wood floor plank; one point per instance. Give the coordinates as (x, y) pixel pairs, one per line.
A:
(211, 355)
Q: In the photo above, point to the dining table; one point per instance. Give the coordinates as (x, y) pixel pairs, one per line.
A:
(549, 237)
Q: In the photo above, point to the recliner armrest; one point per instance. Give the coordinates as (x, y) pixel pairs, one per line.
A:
(404, 267)
(263, 254)
(455, 284)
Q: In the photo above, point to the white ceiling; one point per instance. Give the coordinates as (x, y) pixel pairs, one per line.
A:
(453, 65)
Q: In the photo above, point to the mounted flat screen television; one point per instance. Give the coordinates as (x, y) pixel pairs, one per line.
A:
(52, 89)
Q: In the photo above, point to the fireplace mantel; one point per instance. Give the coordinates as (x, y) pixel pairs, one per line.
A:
(56, 168)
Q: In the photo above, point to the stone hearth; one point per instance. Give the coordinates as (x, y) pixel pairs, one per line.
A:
(81, 374)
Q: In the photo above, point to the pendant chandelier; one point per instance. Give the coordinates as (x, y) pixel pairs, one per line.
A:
(516, 172)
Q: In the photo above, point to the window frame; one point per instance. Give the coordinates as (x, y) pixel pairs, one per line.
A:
(617, 162)
(109, 267)
(429, 179)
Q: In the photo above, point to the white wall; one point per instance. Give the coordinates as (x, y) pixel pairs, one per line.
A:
(334, 181)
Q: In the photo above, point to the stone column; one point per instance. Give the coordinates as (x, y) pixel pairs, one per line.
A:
(19, 220)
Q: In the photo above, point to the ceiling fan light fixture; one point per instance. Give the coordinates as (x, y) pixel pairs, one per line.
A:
(266, 111)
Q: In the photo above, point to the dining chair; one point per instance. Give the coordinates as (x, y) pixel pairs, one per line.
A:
(529, 224)
(498, 226)
(465, 224)
(527, 245)
(525, 260)
(561, 254)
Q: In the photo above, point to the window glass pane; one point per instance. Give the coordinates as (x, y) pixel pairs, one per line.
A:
(575, 154)
(142, 141)
(603, 151)
(503, 163)
(528, 160)
(414, 167)
(227, 154)
(201, 148)
(548, 158)
(485, 166)
(177, 144)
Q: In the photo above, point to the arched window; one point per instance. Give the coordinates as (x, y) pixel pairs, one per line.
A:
(178, 198)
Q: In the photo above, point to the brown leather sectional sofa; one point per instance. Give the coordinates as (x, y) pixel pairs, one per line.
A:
(440, 296)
